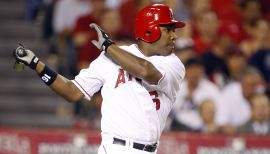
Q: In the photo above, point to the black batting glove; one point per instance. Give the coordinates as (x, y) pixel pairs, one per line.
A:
(103, 41)
(25, 56)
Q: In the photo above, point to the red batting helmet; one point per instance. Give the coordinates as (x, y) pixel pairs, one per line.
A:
(148, 21)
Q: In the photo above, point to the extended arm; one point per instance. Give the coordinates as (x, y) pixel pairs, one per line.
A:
(63, 86)
(133, 64)
(59, 84)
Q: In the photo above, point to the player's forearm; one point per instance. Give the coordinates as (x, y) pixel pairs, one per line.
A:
(62, 86)
(67, 89)
(134, 65)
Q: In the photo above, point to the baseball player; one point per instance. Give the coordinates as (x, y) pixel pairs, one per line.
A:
(138, 82)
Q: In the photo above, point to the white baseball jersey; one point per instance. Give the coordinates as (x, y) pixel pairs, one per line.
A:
(132, 108)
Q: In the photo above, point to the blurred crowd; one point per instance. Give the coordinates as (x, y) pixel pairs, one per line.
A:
(225, 48)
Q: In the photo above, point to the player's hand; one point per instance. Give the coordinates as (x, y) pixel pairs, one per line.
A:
(103, 41)
(25, 56)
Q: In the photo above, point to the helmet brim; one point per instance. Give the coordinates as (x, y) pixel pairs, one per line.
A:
(178, 24)
(175, 23)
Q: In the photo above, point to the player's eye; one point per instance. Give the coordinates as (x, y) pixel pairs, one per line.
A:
(169, 29)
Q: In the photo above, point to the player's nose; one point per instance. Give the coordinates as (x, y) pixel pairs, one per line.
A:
(173, 36)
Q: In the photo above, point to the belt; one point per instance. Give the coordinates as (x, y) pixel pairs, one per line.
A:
(139, 146)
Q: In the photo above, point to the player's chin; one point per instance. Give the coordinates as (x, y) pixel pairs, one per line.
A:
(170, 50)
(167, 51)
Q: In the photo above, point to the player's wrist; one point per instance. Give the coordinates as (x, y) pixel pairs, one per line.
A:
(47, 75)
(106, 44)
(33, 63)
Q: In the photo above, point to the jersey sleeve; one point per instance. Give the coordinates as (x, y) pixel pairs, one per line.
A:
(173, 72)
(90, 80)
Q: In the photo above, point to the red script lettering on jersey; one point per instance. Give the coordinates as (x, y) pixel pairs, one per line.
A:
(121, 77)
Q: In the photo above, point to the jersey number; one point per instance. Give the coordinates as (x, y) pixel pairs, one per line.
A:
(155, 99)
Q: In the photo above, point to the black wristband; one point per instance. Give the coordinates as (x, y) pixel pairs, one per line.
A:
(106, 44)
(33, 63)
(48, 76)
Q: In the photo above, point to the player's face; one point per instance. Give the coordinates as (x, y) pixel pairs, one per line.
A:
(165, 44)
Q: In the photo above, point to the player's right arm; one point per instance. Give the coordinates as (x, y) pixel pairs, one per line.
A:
(63, 86)
(58, 83)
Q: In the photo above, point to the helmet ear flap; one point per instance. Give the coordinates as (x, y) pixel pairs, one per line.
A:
(152, 34)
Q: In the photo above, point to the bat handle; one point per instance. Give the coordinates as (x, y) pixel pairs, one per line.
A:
(18, 66)
(21, 52)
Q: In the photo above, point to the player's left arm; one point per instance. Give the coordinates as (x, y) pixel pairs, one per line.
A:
(135, 65)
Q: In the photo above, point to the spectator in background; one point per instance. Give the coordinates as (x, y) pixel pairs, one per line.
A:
(226, 9)
(82, 33)
(206, 26)
(67, 12)
(265, 4)
(197, 7)
(214, 59)
(259, 29)
(47, 31)
(261, 61)
(184, 49)
(236, 63)
(259, 123)
(65, 16)
(261, 58)
(234, 109)
(47, 22)
(110, 22)
(207, 110)
(32, 9)
(195, 10)
(195, 89)
(250, 10)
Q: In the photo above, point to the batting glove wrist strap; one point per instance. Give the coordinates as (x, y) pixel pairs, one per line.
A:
(106, 44)
(48, 76)
(33, 63)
